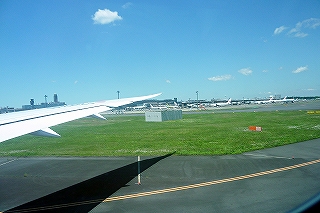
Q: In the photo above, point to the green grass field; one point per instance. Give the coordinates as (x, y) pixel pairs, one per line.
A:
(195, 134)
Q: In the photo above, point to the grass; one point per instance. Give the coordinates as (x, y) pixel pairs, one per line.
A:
(195, 134)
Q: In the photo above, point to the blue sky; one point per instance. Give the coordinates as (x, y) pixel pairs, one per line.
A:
(88, 50)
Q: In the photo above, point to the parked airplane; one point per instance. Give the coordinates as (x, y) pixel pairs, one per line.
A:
(290, 100)
(39, 121)
(158, 107)
(284, 100)
(141, 107)
(175, 106)
(223, 104)
(265, 101)
(192, 105)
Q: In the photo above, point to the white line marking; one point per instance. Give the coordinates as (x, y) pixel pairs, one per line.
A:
(7, 162)
(266, 156)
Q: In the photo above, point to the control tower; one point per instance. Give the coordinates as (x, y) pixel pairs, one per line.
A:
(55, 98)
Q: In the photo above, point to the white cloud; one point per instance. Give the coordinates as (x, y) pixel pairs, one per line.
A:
(311, 23)
(300, 34)
(168, 81)
(245, 71)
(279, 30)
(127, 5)
(105, 16)
(300, 69)
(220, 78)
(297, 31)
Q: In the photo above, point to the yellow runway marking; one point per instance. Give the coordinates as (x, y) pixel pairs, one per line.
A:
(193, 186)
(174, 189)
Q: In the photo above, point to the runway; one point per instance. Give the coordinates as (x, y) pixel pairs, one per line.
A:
(270, 180)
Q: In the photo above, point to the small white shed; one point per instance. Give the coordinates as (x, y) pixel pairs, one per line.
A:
(166, 115)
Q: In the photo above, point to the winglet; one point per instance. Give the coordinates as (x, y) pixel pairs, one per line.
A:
(46, 132)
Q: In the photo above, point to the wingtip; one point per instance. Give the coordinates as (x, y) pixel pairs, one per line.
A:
(157, 94)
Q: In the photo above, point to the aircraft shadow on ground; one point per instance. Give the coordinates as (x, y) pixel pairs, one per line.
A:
(84, 196)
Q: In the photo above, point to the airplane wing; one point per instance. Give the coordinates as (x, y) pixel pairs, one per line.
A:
(39, 121)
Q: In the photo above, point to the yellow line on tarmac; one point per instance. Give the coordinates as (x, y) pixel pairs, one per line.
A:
(193, 186)
(174, 189)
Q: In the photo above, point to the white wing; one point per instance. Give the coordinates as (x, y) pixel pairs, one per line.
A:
(38, 121)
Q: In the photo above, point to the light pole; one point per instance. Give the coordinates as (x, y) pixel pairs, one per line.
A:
(118, 94)
(197, 99)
